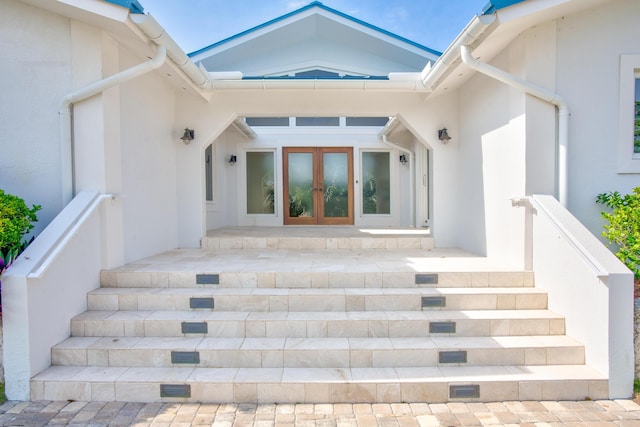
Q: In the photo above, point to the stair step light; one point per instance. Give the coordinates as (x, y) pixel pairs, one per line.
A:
(195, 327)
(192, 357)
(426, 279)
(458, 356)
(207, 279)
(434, 302)
(442, 327)
(201, 303)
(175, 390)
(471, 391)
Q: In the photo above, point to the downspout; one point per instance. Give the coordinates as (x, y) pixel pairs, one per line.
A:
(66, 117)
(412, 179)
(541, 93)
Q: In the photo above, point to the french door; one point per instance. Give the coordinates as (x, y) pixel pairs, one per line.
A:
(318, 185)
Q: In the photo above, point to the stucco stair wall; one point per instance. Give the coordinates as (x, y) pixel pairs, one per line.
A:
(321, 324)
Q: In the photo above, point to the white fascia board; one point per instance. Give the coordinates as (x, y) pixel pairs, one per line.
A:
(377, 35)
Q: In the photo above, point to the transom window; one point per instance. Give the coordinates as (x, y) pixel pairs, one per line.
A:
(317, 121)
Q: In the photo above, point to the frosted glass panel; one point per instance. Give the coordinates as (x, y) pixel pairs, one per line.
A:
(336, 185)
(376, 194)
(300, 184)
(260, 180)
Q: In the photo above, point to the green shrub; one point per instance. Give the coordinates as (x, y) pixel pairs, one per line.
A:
(623, 228)
(16, 220)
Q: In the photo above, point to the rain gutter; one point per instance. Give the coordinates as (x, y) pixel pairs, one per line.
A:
(472, 33)
(154, 31)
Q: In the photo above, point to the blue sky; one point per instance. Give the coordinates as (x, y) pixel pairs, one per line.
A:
(194, 24)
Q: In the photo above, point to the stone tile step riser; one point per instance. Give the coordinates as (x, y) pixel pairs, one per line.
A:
(317, 329)
(315, 358)
(316, 302)
(305, 386)
(318, 243)
(314, 279)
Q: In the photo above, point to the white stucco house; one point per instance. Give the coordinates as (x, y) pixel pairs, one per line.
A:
(316, 120)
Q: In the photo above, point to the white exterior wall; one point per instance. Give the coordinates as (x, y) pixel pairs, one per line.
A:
(222, 210)
(424, 120)
(148, 163)
(36, 73)
(588, 61)
(123, 135)
(210, 120)
(492, 156)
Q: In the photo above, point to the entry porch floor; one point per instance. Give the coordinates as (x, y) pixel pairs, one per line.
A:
(319, 249)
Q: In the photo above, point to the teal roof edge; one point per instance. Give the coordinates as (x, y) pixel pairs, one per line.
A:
(132, 5)
(305, 8)
(495, 5)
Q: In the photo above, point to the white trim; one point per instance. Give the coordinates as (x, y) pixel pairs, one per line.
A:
(628, 162)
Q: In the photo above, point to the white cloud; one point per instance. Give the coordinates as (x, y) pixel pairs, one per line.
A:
(293, 5)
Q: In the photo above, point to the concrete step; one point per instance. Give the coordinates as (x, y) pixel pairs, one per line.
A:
(311, 273)
(317, 324)
(320, 385)
(349, 299)
(319, 238)
(317, 352)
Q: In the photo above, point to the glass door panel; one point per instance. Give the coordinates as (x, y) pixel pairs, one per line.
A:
(318, 185)
(336, 178)
(336, 186)
(301, 185)
(260, 180)
(376, 183)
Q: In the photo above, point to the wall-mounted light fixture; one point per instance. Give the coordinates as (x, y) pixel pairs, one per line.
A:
(233, 159)
(443, 135)
(403, 159)
(188, 136)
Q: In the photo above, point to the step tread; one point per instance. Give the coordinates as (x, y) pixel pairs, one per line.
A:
(316, 291)
(268, 375)
(181, 315)
(200, 343)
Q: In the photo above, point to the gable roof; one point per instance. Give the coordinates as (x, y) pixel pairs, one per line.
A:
(320, 5)
(315, 37)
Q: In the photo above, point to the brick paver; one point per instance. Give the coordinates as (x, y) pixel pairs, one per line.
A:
(536, 414)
